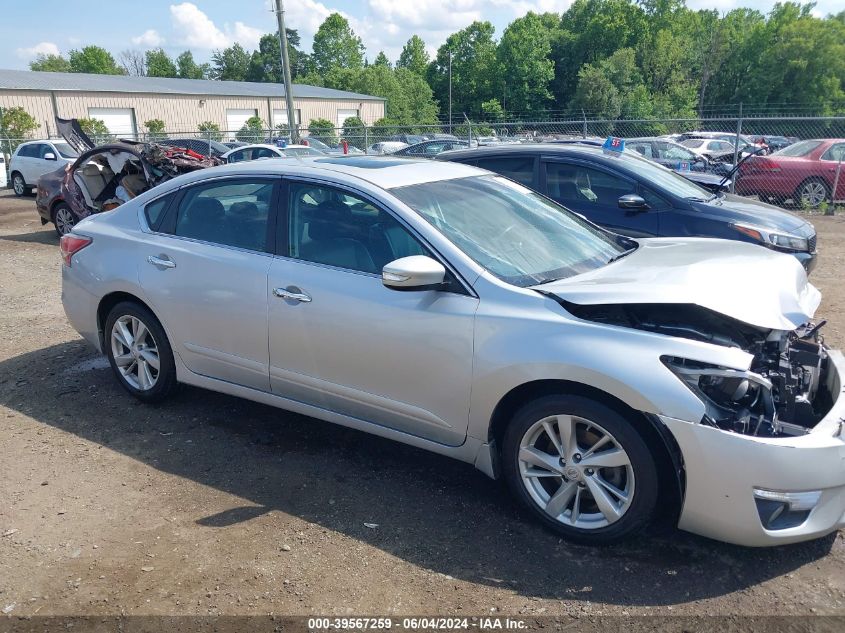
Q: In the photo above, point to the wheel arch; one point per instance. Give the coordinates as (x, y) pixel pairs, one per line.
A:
(814, 178)
(661, 442)
(108, 302)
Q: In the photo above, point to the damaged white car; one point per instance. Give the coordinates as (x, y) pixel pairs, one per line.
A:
(607, 379)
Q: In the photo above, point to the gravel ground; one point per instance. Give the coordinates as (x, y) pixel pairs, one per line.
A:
(214, 505)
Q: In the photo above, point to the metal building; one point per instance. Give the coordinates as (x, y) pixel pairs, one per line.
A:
(124, 103)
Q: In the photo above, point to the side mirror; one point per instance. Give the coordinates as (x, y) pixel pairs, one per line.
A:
(417, 272)
(49, 156)
(633, 201)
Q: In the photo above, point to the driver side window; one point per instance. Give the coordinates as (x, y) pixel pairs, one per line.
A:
(337, 228)
(578, 186)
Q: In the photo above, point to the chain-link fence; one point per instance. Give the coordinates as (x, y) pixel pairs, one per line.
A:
(789, 172)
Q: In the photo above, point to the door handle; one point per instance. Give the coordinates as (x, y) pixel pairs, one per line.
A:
(291, 293)
(158, 261)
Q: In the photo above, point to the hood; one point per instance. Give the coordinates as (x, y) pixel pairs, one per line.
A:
(748, 283)
(741, 209)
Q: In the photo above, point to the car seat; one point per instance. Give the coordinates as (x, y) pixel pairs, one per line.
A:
(333, 239)
(204, 219)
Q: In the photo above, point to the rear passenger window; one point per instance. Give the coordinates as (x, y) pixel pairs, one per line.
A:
(231, 213)
(154, 211)
(519, 168)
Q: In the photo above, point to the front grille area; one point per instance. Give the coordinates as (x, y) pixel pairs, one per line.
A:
(812, 243)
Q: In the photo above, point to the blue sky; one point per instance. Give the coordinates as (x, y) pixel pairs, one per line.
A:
(49, 26)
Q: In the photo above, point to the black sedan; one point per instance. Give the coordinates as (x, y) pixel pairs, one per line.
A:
(631, 195)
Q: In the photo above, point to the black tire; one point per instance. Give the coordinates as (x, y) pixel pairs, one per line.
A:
(641, 509)
(23, 188)
(819, 189)
(166, 378)
(61, 210)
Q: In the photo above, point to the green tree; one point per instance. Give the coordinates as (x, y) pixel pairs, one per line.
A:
(381, 60)
(159, 64)
(155, 129)
(230, 64)
(491, 111)
(252, 131)
(353, 131)
(187, 68)
(414, 57)
(324, 130)
(210, 130)
(336, 45)
(93, 59)
(16, 124)
(265, 65)
(524, 58)
(96, 130)
(50, 64)
(475, 69)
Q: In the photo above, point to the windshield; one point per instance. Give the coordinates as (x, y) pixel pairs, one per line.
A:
(65, 150)
(801, 148)
(301, 151)
(516, 234)
(317, 143)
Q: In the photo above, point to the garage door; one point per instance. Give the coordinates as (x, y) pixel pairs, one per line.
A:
(342, 115)
(280, 117)
(235, 119)
(119, 121)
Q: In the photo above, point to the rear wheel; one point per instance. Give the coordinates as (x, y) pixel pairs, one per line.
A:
(19, 184)
(63, 219)
(139, 352)
(581, 468)
(812, 193)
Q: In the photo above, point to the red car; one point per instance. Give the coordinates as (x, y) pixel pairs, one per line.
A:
(803, 173)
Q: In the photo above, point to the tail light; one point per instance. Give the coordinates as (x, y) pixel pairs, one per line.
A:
(71, 244)
(760, 165)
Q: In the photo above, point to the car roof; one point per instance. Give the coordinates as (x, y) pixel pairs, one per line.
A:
(386, 172)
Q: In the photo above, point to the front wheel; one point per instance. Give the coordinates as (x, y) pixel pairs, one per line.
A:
(581, 468)
(139, 352)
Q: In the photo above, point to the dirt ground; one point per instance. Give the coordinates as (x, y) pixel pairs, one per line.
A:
(213, 505)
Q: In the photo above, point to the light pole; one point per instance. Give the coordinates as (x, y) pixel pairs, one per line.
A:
(450, 92)
(283, 43)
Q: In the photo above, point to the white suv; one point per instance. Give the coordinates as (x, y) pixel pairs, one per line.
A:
(33, 159)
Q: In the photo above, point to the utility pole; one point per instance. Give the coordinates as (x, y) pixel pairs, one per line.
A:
(450, 92)
(283, 43)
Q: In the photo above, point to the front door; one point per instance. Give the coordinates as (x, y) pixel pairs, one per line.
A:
(205, 271)
(595, 193)
(341, 341)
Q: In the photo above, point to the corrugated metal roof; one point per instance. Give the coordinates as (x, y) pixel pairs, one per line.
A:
(31, 80)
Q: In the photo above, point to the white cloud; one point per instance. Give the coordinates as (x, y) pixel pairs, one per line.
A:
(194, 28)
(430, 14)
(149, 38)
(42, 48)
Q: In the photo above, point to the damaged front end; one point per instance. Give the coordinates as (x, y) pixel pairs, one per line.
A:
(784, 392)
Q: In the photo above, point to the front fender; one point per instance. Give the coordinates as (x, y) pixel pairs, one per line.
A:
(553, 345)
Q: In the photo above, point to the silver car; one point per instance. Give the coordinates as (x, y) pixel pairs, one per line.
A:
(452, 309)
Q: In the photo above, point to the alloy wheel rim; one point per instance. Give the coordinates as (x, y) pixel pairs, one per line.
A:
(135, 352)
(576, 471)
(64, 220)
(18, 184)
(813, 194)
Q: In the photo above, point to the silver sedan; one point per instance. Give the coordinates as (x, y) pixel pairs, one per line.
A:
(452, 309)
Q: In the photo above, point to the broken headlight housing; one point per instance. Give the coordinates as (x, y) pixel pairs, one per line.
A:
(771, 239)
(734, 399)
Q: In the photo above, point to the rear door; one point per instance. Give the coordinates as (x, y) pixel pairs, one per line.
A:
(594, 192)
(204, 268)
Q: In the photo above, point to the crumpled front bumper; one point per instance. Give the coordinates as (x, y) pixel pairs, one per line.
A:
(724, 468)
